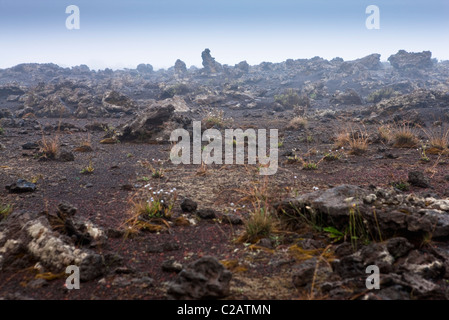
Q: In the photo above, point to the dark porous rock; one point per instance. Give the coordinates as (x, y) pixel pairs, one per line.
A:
(417, 179)
(232, 219)
(21, 186)
(115, 233)
(171, 266)
(378, 255)
(164, 247)
(304, 272)
(205, 278)
(65, 210)
(92, 267)
(30, 146)
(423, 264)
(206, 214)
(398, 247)
(349, 266)
(188, 205)
(66, 156)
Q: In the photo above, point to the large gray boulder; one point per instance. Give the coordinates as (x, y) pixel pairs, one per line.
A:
(154, 124)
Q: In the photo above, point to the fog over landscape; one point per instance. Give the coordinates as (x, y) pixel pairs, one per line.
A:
(119, 34)
(224, 150)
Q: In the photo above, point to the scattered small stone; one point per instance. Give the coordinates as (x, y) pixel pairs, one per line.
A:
(231, 219)
(124, 270)
(391, 156)
(265, 242)
(164, 247)
(206, 214)
(171, 266)
(127, 187)
(417, 179)
(21, 186)
(114, 233)
(205, 278)
(188, 205)
(66, 156)
(30, 146)
(65, 209)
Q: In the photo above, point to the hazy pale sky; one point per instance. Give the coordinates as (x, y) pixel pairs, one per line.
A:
(122, 34)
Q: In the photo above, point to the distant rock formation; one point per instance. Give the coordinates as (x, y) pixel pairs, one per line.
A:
(404, 60)
(145, 68)
(371, 62)
(180, 67)
(209, 63)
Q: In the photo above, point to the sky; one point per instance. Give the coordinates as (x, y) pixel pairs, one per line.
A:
(122, 34)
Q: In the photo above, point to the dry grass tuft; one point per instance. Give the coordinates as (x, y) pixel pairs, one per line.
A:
(404, 136)
(297, 123)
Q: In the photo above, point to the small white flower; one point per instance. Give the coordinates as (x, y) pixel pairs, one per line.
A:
(316, 188)
(232, 204)
(295, 177)
(174, 188)
(154, 192)
(162, 201)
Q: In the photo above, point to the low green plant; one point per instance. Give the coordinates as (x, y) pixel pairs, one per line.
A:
(357, 231)
(157, 173)
(310, 166)
(2, 131)
(331, 156)
(424, 157)
(5, 210)
(401, 185)
(154, 208)
(281, 143)
(334, 234)
(89, 169)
